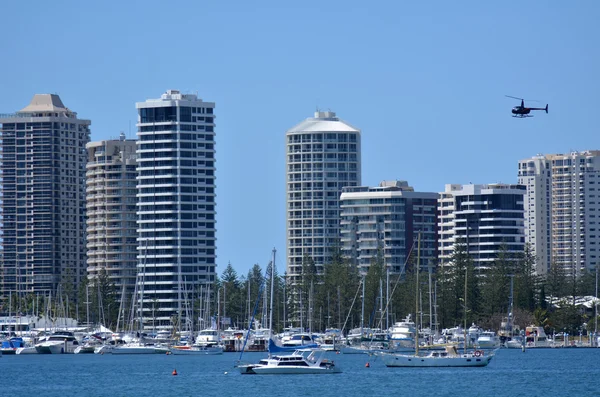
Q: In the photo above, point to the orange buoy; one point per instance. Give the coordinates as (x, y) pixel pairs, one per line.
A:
(174, 372)
(367, 365)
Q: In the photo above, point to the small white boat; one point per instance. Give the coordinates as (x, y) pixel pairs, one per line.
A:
(448, 358)
(299, 362)
(135, 348)
(27, 350)
(196, 350)
(488, 340)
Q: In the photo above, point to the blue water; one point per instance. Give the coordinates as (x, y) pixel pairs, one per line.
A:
(541, 372)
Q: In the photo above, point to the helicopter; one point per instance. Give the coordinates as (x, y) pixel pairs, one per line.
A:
(522, 111)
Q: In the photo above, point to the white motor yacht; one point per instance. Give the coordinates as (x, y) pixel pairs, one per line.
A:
(135, 348)
(488, 340)
(58, 343)
(299, 362)
(402, 334)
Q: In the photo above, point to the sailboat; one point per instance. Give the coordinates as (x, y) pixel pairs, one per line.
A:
(450, 357)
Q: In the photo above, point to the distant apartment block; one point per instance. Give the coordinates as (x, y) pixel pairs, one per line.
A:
(176, 204)
(562, 209)
(486, 219)
(322, 157)
(389, 218)
(111, 213)
(536, 175)
(43, 197)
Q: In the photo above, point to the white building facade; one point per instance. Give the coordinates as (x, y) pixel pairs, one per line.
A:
(176, 204)
(536, 175)
(323, 155)
(487, 219)
(572, 207)
(111, 213)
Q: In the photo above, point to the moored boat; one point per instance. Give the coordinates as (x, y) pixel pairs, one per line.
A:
(299, 362)
(59, 342)
(196, 350)
(448, 358)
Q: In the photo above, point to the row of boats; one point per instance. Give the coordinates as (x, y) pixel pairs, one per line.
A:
(65, 342)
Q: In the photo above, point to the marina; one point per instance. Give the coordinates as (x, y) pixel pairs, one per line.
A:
(510, 373)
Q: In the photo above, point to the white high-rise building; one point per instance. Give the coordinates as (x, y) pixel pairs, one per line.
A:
(570, 185)
(536, 175)
(176, 204)
(111, 213)
(43, 197)
(322, 157)
(485, 218)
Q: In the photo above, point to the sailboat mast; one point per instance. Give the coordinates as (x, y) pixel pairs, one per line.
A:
(362, 310)
(271, 299)
(465, 330)
(417, 295)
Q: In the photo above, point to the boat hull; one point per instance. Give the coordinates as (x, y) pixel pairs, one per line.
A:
(413, 361)
(55, 348)
(196, 351)
(134, 350)
(286, 370)
(27, 350)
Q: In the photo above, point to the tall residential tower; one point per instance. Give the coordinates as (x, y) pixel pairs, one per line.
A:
(111, 210)
(43, 197)
(176, 205)
(563, 190)
(322, 157)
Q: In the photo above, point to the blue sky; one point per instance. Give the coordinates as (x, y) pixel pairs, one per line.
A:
(424, 81)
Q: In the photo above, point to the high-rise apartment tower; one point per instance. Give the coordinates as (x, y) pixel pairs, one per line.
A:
(111, 214)
(176, 205)
(43, 197)
(562, 209)
(322, 157)
(486, 219)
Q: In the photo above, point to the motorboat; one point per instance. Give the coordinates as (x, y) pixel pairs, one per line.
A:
(10, 346)
(516, 342)
(300, 362)
(402, 334)
(207, 337)
(196, 350)
(58, 343)
(274, 347)
(488, 340)
(450, 357)
(535, 336)
(331, 340)
(301, 340)
(136, 348)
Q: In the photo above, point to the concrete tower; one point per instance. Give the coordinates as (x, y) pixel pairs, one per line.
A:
(43, 197)
(111, 209)
(176, 205)
(322, 157)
